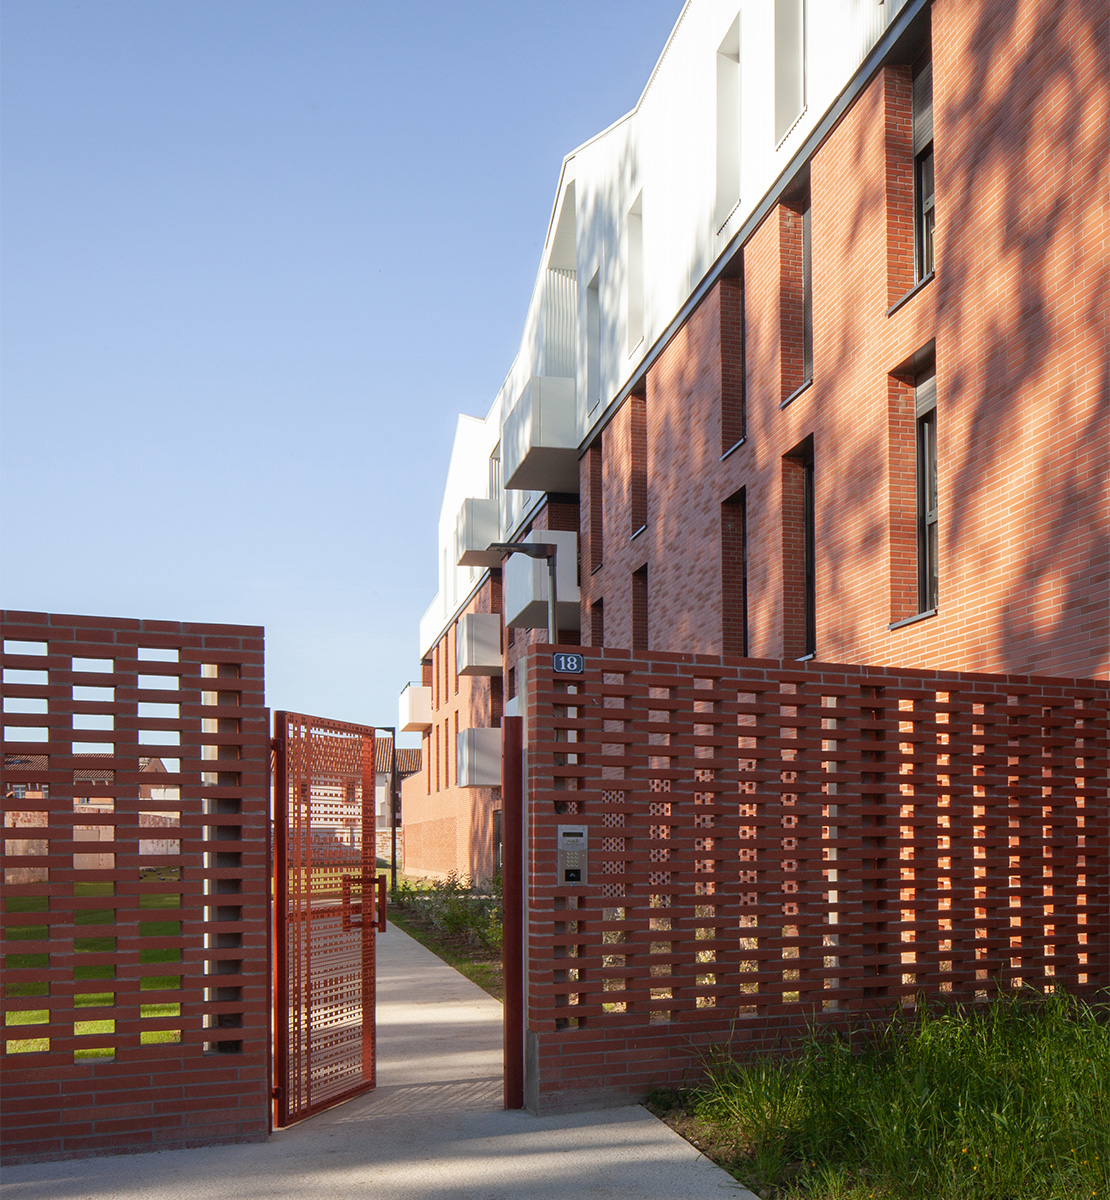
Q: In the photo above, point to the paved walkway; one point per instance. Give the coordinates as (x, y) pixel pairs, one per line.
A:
(433, 1129)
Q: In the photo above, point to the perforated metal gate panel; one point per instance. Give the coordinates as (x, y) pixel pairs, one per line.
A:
(328, 907)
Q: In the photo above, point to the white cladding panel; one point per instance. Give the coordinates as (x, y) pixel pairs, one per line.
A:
(524, 584)
(478, 644)
(539, 440)
(415, 709)
(479, 757)
(478, 524)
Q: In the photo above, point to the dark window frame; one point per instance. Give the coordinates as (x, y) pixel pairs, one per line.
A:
(734, 574)
(637, 463)
(924, 191)
(597, 622)
(641, 636)
(925, 213)
(809, 534)
(807, 292)
(927, 495)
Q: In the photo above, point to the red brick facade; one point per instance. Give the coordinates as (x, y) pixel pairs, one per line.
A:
(447, 827)
(1016, 323)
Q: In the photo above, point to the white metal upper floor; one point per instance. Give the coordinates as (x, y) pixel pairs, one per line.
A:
(646, 215)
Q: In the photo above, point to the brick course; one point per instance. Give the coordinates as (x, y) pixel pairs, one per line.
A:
(57, 1101)
(773, 845)
(1016, 320)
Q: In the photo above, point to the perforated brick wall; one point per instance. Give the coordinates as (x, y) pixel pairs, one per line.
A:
(136, 886)
(772, 845)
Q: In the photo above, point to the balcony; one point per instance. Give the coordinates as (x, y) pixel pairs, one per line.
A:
(478, 644)
(476, 526)
(479, 758)
(415, 712)
(539, 439)
(524, 584)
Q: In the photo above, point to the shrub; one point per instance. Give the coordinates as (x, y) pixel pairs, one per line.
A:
(456, 906)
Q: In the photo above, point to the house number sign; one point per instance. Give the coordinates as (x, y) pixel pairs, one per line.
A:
(568, 664)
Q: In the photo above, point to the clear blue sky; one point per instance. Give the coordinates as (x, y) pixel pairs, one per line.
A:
(256, 255)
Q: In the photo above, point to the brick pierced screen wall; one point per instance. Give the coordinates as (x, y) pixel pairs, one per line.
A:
(135, 919)
(771, 845)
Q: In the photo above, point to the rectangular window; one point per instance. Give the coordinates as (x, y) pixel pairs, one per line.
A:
(640, 610)
(790, 69)
(635, 275)
(728, 123)
(795, 296)
(807, 294)
(732, 360)
(734, 575)
(597, 623)
(924, 208)
(593, 343)
(596, 479)
(810, 530)
(799, 553)
(637, 450)
(497, 853)
(925, 405)
(455, 747)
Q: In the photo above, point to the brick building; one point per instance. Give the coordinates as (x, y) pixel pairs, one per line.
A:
(815, 366)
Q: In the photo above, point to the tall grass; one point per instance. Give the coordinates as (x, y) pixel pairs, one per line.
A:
(1010, 1103)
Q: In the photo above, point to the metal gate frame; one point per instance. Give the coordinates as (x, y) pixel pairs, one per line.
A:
(308, 750)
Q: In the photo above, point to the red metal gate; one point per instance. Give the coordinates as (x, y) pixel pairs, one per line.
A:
(328, 906)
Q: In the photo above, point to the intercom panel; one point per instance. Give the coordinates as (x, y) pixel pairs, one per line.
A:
(572, 853)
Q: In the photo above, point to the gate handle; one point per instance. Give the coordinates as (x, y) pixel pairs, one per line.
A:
(381, 904)
(346, 907)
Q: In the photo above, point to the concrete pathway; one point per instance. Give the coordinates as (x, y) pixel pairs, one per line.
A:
(433, 1129)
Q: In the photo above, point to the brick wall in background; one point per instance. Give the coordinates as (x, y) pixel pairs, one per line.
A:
(446, 827)
(136, 974)
(772, 845)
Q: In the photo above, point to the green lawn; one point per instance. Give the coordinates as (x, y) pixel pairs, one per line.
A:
(101, 1026)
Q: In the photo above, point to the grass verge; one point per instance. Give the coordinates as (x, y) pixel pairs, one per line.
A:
(456, 923)
(1011, 1103)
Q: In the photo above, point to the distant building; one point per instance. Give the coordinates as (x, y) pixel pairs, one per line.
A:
(337, 804)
